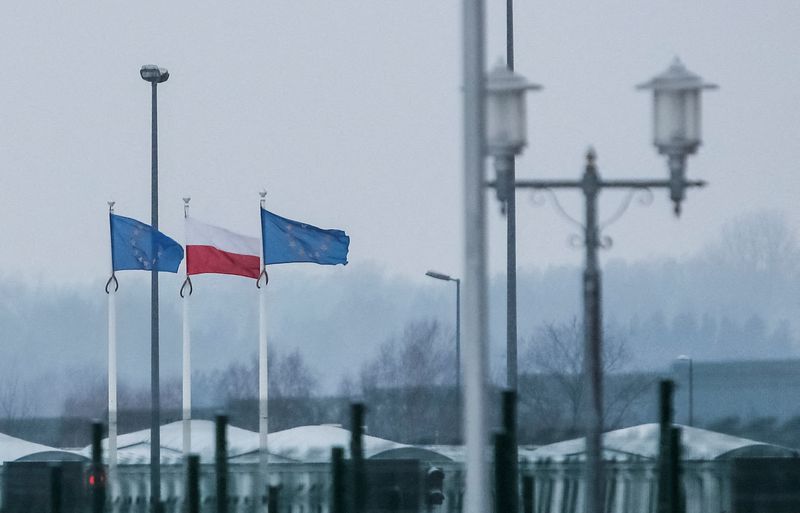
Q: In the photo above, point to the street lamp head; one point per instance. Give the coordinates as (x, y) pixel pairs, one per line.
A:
(438, 276)
(684, 358)
(506, 133)
(676, 109)
(154, 74)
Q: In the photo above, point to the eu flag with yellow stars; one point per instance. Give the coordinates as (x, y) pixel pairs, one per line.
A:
(137, 246)
(285, 241)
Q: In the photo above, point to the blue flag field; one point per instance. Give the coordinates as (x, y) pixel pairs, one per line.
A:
(137, 246)
(285, 241)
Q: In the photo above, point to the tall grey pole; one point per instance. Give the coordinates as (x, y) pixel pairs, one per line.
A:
(458, 345)
(475, 302)
(593, 338)
(155, 407)
(691, 393)
(511, 233)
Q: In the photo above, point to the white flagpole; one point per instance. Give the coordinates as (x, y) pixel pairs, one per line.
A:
(263, 392)
(187, 353)
(111, 290)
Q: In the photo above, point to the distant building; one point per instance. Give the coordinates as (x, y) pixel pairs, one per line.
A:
(744, 389)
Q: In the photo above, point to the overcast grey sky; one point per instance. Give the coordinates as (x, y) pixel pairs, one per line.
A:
(349, 114)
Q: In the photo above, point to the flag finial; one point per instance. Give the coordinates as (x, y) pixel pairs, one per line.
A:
(111, 206)
(186, 201)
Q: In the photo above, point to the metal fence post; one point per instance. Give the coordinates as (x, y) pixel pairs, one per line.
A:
(55, 488)
(97, 478)
(502, 488)
(527, 494)
(274, 498)
(221, 464)
(338, 504)
(358, 492)
(193, 483)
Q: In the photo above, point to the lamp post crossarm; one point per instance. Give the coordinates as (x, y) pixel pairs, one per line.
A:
(603, 184)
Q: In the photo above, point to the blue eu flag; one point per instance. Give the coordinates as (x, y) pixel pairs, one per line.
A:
(285, 241)
(137, 246)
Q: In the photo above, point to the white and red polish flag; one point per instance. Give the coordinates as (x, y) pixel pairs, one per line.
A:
(215, 250)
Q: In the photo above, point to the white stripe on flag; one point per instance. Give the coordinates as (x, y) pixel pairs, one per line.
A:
(202, 234)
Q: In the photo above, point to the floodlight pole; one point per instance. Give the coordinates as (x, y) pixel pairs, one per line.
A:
(154, 75)
(155, 402)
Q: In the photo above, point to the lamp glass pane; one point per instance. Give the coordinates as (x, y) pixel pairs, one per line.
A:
(691, 106)
(505, 120)
(668, 117)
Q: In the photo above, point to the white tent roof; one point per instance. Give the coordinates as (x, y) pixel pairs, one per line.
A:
(14, 448)
(133, 448)
(314, 443)
(641, 442)
(300, 444)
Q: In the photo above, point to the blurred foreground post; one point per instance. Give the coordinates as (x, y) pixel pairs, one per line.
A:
(475, 332)
(221, 464)
(527, 494)
(193, 483)
(97, 478)
(510, 428)
(670, 498)
(274, 498)
(337, 481)
(357, 490)
(55, 488)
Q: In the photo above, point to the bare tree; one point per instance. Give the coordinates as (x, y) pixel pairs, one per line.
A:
(16, 399)
(552, 391)
(289, 376)
(408, 385)
(419, 357)
(759, 242)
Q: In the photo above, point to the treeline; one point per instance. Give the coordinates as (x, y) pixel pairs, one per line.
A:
(408, 387)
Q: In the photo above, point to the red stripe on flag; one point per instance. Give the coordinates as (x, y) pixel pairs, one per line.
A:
(208, 259)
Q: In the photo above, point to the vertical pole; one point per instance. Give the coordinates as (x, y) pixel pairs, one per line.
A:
(263, 384)
(665, 456)
(510, 34)
(511, 233)
(458, 353)
(691, 393)
(187, 380)
(155, 407)
(527, 494)
(263, 375)
(274, 498)
(112, 374)
(193, 483)
(187, 355)
(511, 280)
(592, 326)
(97, 475)
(221, 463)
(112, 386)
(338, 504)
(475, 301)
(55, 487)
(502, 488)
(358, 491)
(676, 491)
(510, 429)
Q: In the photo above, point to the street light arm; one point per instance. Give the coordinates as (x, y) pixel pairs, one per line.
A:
(610, 184)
